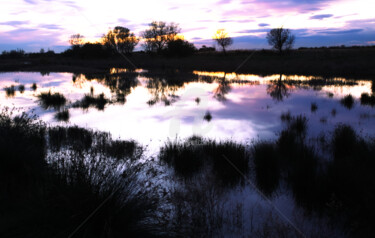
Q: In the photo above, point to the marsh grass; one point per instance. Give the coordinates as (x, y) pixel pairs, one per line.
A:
(34, 86)
(225, 158)
(313, 107)
(53, 178)
(333, 112)
(367, 99)
(49, 100)
(347, 101)
(21, 88)
(267, 166)
(286, 117)
(10, 91)
(89, 100)
(51, 194)
(62, 115)
(207, 116)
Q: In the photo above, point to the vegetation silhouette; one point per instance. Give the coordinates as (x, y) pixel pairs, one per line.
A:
(21, 88)
(222, 39)
(63, 115)
(180, 48)
(120, 39)
(54, 177)
(314, 107)
(347, 101)
(89, 100)
(367, 99)
(49, 100)
(34, 86)
(10, 91)
(223, 158)
(207, 116)
(158, 35)
(280, 39)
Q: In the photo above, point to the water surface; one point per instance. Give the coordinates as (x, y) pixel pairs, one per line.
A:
(152, 107)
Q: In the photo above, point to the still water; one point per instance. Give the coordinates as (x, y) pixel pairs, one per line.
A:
(152, 107)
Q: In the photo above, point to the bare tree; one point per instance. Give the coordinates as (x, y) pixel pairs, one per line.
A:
(158, 35)
(76, 39)
(280, 39)
(222, 39)
(121, 39)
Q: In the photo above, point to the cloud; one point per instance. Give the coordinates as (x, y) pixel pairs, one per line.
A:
(321, 16)
(31, 2)
(14, 23)
(263, 24)
(339, 31)
(51, 26)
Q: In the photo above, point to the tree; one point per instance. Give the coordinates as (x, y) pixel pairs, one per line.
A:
(280, 39)
(158, 35)
(120, 39)
(180, 47)
(222, 39)
(76, 40)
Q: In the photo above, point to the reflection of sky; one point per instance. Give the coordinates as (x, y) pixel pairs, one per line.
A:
(247, 113)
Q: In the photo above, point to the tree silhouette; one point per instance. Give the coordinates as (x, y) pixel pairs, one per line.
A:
(120, 39)
(76, 39)
(158, 35)
(222, 39)
(280, 39)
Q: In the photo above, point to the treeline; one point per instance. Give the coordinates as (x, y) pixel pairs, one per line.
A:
(160, 38)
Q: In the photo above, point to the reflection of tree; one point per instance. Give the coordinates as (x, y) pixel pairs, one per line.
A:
(278, 89)
(223, 89)
(163, 90)
(119, 84)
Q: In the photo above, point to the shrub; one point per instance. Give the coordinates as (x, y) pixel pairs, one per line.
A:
(348, 101)
(49, 100)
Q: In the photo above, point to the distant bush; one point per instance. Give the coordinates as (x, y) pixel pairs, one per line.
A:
(180, 48)
(13, 54)
(88, 51)
(206, 49)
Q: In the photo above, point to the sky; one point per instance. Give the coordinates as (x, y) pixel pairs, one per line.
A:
(35, 24)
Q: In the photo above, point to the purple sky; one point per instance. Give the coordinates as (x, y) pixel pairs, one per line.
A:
(36, 24)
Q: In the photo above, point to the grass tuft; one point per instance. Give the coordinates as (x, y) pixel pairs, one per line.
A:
(49, 100)
(348, 101)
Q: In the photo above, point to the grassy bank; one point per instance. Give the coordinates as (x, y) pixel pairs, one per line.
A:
(346, 62)
(61, 181)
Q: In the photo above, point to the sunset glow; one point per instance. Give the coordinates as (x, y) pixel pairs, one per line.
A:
(35, 24)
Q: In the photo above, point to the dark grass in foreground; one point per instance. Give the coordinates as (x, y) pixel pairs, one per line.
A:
(50, 195)
(50, 184)
(222, 158)
(49, 100)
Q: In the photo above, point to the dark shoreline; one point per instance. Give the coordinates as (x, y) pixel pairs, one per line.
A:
(348, 63)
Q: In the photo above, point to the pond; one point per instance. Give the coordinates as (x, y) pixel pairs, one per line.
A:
(152, 107)
(259, 189)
